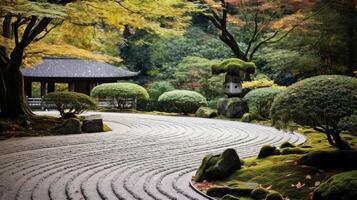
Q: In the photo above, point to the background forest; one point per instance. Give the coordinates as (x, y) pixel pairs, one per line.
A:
(175, 42)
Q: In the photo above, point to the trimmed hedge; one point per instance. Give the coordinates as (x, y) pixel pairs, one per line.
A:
(260, 100)
(120, 92)
(70, 104)
(319, 102)
(184, 100)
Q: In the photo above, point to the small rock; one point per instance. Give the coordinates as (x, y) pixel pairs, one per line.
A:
(70, 126)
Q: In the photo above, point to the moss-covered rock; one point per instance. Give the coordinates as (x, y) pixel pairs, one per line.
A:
(232, 107)
(206, 112)
(248, 117)
(286, 145)
(331, 160)
(268, 150)
(222, 191)
(293, 150)
(218, 167)
(341, 186)
(274, 196)
(70, 126)
(229, 197)
(259, 193)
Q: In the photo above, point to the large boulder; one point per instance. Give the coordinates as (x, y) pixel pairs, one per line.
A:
(206, 112)
(232, 107)
(331, 160)
(341, 186)
(218, 167)
(70, 126)
(93, 124)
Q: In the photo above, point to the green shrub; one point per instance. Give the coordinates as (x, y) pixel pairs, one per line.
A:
(155, 89)
(184, 100)
(268, 150)
(120, 92)
(259, 193)
(206, 112)
(319, 102)
(260, 100)
(70, 104)
(349, 123)
(274, 196)
(286, 145)
(261, 83)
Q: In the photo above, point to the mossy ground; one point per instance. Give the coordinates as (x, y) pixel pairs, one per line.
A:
(282, 173)
(36, 126)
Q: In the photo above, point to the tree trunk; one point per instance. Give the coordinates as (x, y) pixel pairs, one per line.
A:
(338, 142)
(14, 102)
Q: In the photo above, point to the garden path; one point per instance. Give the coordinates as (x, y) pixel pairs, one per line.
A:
(144, 157)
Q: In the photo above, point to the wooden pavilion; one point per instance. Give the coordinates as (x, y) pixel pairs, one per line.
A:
(80, 75)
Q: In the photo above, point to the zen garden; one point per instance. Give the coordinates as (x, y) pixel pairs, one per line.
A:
(178, 99)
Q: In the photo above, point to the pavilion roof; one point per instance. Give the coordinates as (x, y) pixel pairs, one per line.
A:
(75, 68)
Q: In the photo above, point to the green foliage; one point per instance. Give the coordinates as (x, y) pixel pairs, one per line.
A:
(260, 100)
(249, 117)
(184, 100)
(69, 104)
(349, 123)
(259, 193)
(320, 102)
(268, 150)
(194, 73)
(206, 112)
(261, 83)
(341, 186)
(156, 89)
(120, 92)
(234, 66)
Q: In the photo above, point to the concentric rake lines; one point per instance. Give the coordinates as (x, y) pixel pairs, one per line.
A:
(144, 157)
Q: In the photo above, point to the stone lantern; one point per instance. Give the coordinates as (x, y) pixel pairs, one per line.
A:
(232, 85)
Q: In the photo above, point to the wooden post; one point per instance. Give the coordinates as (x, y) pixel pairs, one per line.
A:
(43, 89)
(28, 89)
(50, 87)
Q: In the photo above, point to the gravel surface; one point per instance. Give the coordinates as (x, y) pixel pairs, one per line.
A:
(144, 157)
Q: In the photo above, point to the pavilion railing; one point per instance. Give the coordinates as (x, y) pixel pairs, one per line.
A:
(39, 104)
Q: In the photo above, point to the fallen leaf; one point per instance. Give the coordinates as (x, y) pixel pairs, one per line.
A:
(288, 175)
(308, 177)
(269, 187)
(317, 183)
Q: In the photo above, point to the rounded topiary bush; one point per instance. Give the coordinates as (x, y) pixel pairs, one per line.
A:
(184, 100)
(69, 104)
(120, 92)
(320, 102)
(260, 100)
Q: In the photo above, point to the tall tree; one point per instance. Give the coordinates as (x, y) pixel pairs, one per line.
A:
(27, 21)
(23, 22)
(264, 22)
